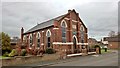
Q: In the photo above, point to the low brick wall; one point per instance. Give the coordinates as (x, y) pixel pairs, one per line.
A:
(18, 60)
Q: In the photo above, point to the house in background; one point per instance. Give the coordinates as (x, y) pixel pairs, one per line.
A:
(101, 44)
(92, 42)
(14, 41)
(112, 42)
(66, 32)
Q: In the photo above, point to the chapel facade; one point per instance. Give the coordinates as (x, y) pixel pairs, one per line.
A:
(66, 32)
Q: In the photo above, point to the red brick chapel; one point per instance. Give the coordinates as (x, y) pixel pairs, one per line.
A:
(66, 32)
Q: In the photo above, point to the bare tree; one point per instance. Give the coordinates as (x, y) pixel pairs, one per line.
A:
(118, 34)
(111, 34)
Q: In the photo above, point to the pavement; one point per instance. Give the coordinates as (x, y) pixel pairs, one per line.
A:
(92, 61)
(106, 59)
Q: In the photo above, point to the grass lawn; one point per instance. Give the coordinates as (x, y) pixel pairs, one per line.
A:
(103, 51)
(2, 57)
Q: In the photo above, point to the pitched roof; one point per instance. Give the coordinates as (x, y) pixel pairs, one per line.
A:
(92, 39)
(45, 24)
(49, 23)
(111, 39)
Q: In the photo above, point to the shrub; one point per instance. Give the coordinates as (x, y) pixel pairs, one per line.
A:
(97, 46)
(6, 51)
(23, 52)
(13, 53)
(5, 43)
(49, 51)
(92, 46)
(6, 54)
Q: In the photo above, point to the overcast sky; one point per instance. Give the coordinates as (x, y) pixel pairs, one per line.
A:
(100, 17)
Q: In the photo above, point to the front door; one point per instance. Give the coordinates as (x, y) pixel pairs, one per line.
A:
(75, 45)
(48, 41)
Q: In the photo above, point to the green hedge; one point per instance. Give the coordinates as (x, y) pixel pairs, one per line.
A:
(23, 52)
(49, 51)
(6, 54)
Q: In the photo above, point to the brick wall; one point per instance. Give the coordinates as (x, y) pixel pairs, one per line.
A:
(71, 19)
(43, 38)
(113, 45)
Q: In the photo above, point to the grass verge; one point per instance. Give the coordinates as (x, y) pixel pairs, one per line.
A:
(2, 57)
(103, 51)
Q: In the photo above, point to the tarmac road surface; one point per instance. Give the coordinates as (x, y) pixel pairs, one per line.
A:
(108, 59)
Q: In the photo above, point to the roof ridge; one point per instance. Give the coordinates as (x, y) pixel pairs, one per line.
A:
(51, 19)
(44, 24)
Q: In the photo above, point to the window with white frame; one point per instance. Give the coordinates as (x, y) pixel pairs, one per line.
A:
(38, 39)
(24, 38)
(48, 34)
(82, 33)
(82, 28)
(31, 40)
(63, 25)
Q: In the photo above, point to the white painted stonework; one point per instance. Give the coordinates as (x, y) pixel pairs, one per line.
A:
(42, 44)
(63, 43)
(55, 28)
(74, 21)
(67, 18)
(68, 43)
(82, 43)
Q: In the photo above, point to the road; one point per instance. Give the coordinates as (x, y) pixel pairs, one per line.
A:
(109, 59)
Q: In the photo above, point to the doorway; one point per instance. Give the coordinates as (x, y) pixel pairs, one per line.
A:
(48, 40)
(75, 44)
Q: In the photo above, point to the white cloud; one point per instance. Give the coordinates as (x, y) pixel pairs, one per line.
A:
(95, 15)
(0, 18)
(72, 1)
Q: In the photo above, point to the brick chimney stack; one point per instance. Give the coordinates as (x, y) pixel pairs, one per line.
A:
(69, 10)
(22, 31)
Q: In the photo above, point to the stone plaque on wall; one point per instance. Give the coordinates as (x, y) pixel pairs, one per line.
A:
(74, 26)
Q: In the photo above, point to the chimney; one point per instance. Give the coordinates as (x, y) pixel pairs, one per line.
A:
(69, 11)
(22, 31)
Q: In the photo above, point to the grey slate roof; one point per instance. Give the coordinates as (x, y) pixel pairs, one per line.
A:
(45, 24)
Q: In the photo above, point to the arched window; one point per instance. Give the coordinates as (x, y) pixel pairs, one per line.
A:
(82, 28)
(63, 25)
(48, 34)
(31, 39)
(24, 38)
(38, 39)
(82, 33)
